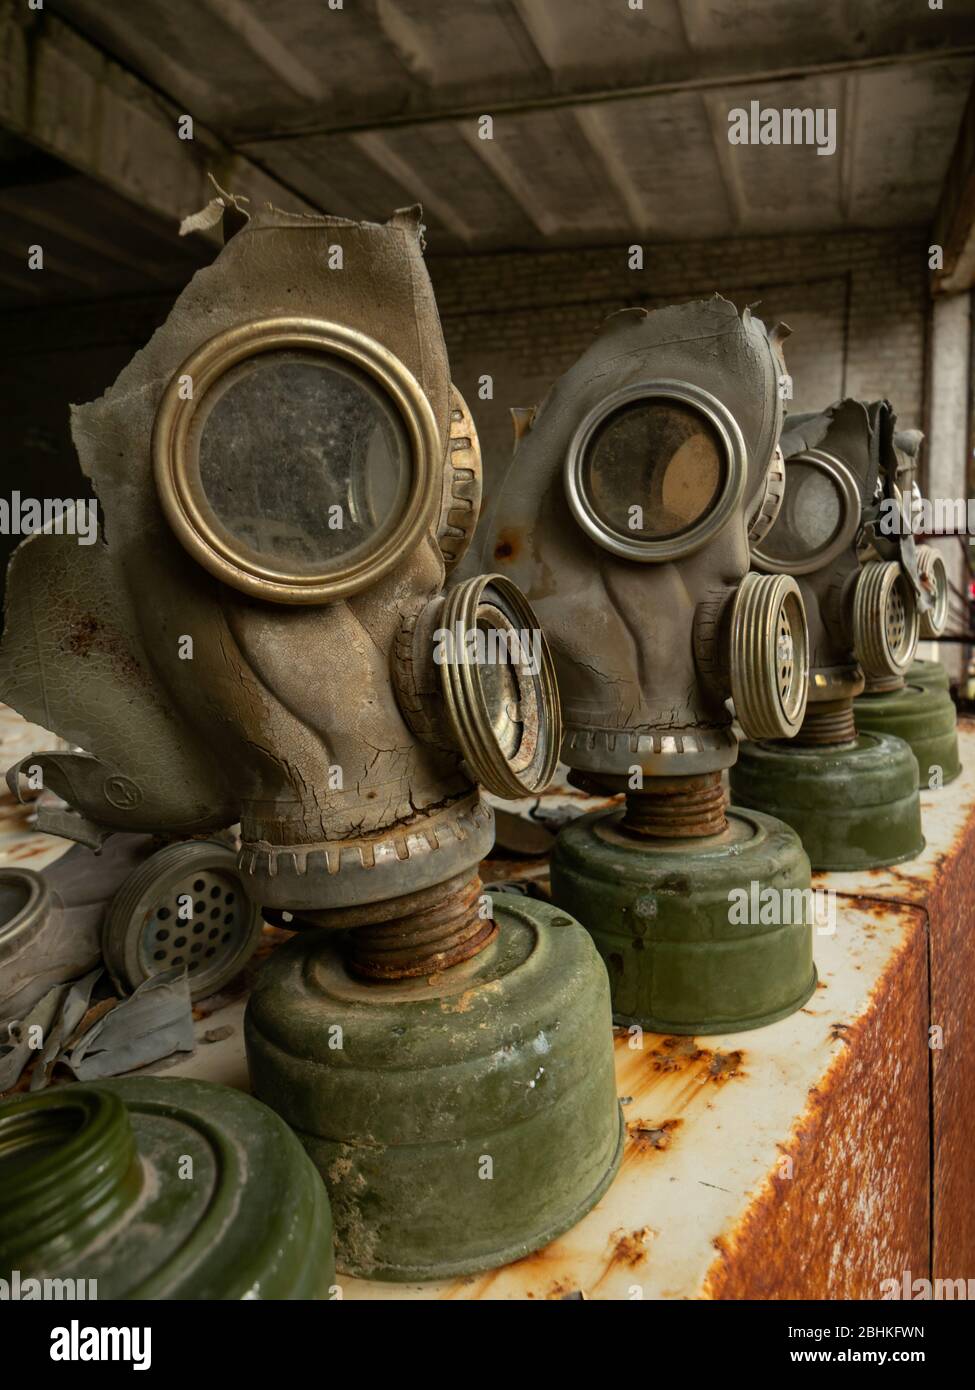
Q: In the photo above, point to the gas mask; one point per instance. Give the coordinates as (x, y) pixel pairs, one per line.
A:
(624, 517)
(286, 475)
(281, 497)
(863, 617)
(901, 703)
(863, 597)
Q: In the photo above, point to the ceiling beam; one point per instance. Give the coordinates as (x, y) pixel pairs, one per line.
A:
(687, 77)
(265, 45)
(522, 30)
(590, 121)
(55, 266)
(729, 168)
(416, 189)
(16, 280)
(954, 221)
(61, 94)
(517, 184)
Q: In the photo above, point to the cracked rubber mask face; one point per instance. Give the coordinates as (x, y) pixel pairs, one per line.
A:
(282, 498)
(625, 518)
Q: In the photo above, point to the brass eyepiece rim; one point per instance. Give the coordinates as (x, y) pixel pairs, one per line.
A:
(687, 542)
(176, 462)
(848, 489)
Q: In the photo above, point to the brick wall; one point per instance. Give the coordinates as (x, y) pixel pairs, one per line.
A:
(856, 302)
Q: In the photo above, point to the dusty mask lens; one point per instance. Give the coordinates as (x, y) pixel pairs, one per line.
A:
(297, 460)
(654, 469)
(812, 515)
(302, 461)
(818, 518)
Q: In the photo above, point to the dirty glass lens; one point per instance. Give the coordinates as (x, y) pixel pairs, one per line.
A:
(811, 516)
(654, 469)
(303, 460)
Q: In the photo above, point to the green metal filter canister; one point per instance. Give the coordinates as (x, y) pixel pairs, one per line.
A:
(924, 717)
(679, 924)
(461, 1120)
(931, 674)
(160, 1188)
(854, 805)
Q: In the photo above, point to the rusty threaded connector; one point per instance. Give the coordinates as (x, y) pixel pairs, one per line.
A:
(440, 934)
(677, 808)
(828, 723)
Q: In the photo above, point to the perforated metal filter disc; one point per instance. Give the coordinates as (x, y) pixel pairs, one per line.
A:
(185, 906)
(885, 620)
(769, 656)
(215, 922)
(788, 673)
(895, 620)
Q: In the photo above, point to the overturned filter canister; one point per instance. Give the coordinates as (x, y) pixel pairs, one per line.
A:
(160, 1187)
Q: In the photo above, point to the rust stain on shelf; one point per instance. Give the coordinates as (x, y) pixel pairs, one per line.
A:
(672, 1072)
(649, 1136)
